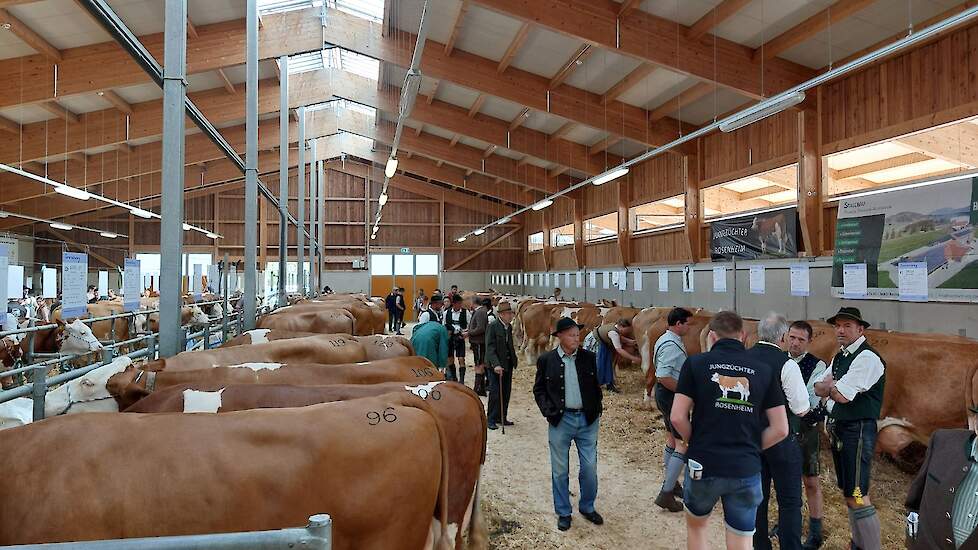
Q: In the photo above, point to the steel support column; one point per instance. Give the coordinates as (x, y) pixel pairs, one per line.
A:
(171, 209)
(301, 213)
(250, 292)
(283, 176)
(321, 240)
(313, 216)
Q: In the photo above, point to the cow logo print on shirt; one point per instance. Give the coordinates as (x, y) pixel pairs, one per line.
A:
(734, 390)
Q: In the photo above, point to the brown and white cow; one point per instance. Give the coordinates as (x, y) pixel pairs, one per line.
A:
(377, 346)
(350, 459)
(457, 408)
(322, 349)
(537, 324)
(321, 320)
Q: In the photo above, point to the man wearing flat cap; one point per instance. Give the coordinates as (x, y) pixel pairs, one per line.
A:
(569, 397)
(853, 391)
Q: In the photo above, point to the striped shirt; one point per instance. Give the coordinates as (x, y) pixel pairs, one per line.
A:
(964, 514)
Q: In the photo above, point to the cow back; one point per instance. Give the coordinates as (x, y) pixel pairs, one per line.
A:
(322, 349)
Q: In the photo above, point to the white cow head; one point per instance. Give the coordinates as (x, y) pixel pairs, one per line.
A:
(87, 393)
(78, 339)
(217, 311)
(139, 323)
(197, 316)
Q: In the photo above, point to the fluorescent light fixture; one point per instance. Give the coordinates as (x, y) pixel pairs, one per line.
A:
(211, 235)
(461, 239)
(141, 213)
(62, 226)
(108, 234)
(479, 231)
(383, 199)
(602, 179)
(391, 168)
(761, 111)
(3, 214)
(373, 237)
(73, 192)
(187, 227)
(504, 220)
(542, 204)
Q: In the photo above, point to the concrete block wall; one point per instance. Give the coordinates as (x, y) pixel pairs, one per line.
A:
(937, 317)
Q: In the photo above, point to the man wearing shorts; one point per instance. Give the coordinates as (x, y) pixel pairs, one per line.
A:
(668, 356)
(812, 370)
(853, 387)
(729, 394)
(457, 323)
(477, 340)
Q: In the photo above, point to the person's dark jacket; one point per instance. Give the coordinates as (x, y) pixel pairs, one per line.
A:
(932, 492)
(499, 346)
(478, 325)
(391, 302)
(548, 389)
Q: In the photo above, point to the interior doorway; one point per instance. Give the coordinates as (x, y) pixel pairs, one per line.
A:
(410, 271)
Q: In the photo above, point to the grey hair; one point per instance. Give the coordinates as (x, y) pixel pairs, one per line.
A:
(772, 327)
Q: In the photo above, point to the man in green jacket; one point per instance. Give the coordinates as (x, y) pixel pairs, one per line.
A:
(430, 340)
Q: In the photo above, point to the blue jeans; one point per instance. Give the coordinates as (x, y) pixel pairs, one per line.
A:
(573, 427)
(781, 464)
(740, 497)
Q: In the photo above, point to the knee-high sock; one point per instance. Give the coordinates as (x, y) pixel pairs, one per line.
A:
(866, 528)
(673, 469)
(666, 455)
(461, 374)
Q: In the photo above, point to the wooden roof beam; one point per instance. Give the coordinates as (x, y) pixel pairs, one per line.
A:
(557, 171)
(810, 27)
(687, 97)
(8, 125)
(57, 110)
(477, 104)
(604, 144)
(191, 29)
(720, 13)
(885, 164)
(116, 100)
(627, 83)
(627, 6)
(26, 34)
(457, 27)
(562, 131)
(489, 151)
(434, 92)
(226, 81)
(761, 193)
(567, 69)
(520, 119)
(514, 48)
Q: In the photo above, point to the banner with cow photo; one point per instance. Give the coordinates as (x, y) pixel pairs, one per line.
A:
(755, 237)
(932, 226)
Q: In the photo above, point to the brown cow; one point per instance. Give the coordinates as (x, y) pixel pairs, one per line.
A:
(691, 342)
(586, 314)
(537, 326)
(276, 468)
(323, 349)
(318, 319)
(377, 346)
(457, 408)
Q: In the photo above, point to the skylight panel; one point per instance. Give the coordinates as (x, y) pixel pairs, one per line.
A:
(305, 62)
(266, 7)
(372, 10)
(362, 65)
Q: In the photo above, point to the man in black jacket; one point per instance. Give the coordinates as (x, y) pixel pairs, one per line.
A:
(500, 362)
(569, 396)
(457, 323)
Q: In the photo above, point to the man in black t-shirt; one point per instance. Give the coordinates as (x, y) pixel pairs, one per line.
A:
(728, 392)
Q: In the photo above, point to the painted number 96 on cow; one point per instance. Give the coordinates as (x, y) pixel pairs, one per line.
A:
(374, 417)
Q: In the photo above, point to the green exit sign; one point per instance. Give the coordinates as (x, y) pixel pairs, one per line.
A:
(405, 251)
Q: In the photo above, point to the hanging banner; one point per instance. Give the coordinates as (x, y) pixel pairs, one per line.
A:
(74, 283)
(11, 244)
(580, 279)
(758, 236)
(49, 282)
(130, 285)
(934, 225)
(719, 278)
(800, 280)
(663, 280)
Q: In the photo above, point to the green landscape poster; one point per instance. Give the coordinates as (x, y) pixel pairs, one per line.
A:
(935, 224)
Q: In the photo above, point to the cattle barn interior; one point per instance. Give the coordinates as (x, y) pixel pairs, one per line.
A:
(185, 182)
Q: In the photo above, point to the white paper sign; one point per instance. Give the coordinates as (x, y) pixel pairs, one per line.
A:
(11, 244)
(49, 282)
(74, 284)
(593, 279)
(719, 278)
(854, 280)
(663, 280)
(606, 280)
(800, 280)
(913, 281)
(4, 262)
(622, 280)
(567, 280)
(214, 277)
(757, 279)
(130, 285)
(546, 279)
(689, 279)
(103, 283)
(15, 282)
(580, 279)
(638, 281)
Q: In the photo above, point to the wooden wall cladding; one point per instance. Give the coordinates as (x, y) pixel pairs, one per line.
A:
(601, 199)
(729, 155)
(661, 247)
(490, 260)
(341, 184)
(927, 86)
(534, 261)
(562, 212)
(602, 254)
(658, 178)
(564, 258)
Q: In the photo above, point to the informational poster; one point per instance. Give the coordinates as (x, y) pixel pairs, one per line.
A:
(637, 283)
(130, 285)
(580, 279)
(103, 283)
(689, 279)
(546, 279)
(15, 282)
(800, 280)
(913, 281)
(663, 280)
(4, 262)
(757, 282)
(11, 244)
(234, 279)
(567, 280)
(854, 281)
(622, 280)
(49, 282)
(719, 278)
(195, 283)
(593, 279)
(759, 236)
(74, 284)
(214, 278)
(606, 280)
(934, 224)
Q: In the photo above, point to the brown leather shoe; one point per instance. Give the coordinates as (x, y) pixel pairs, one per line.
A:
(678, 491)
(668, 501)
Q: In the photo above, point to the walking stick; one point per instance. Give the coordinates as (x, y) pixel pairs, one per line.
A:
(501, 417)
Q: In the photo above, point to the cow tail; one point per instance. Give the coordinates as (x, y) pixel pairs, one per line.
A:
(970, 387)
(443, 542)
(478, 531)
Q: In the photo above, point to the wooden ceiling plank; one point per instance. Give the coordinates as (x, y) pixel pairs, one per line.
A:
(627, 6)
(723, 11)
(116, 100)
(687, 97)
(604, 144)
(563, 130)
(457, 27)
(8, 125)
(810, 27)
(761, 193)
(567, 69)
(514, 48)
(37, 42)
(57, 110)
(870, 167)
(627, 83)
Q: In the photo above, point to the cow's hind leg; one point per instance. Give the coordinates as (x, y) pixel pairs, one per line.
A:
(899, 443)
(478, 530)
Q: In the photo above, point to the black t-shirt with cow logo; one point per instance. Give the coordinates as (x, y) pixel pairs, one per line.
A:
(731, 393)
